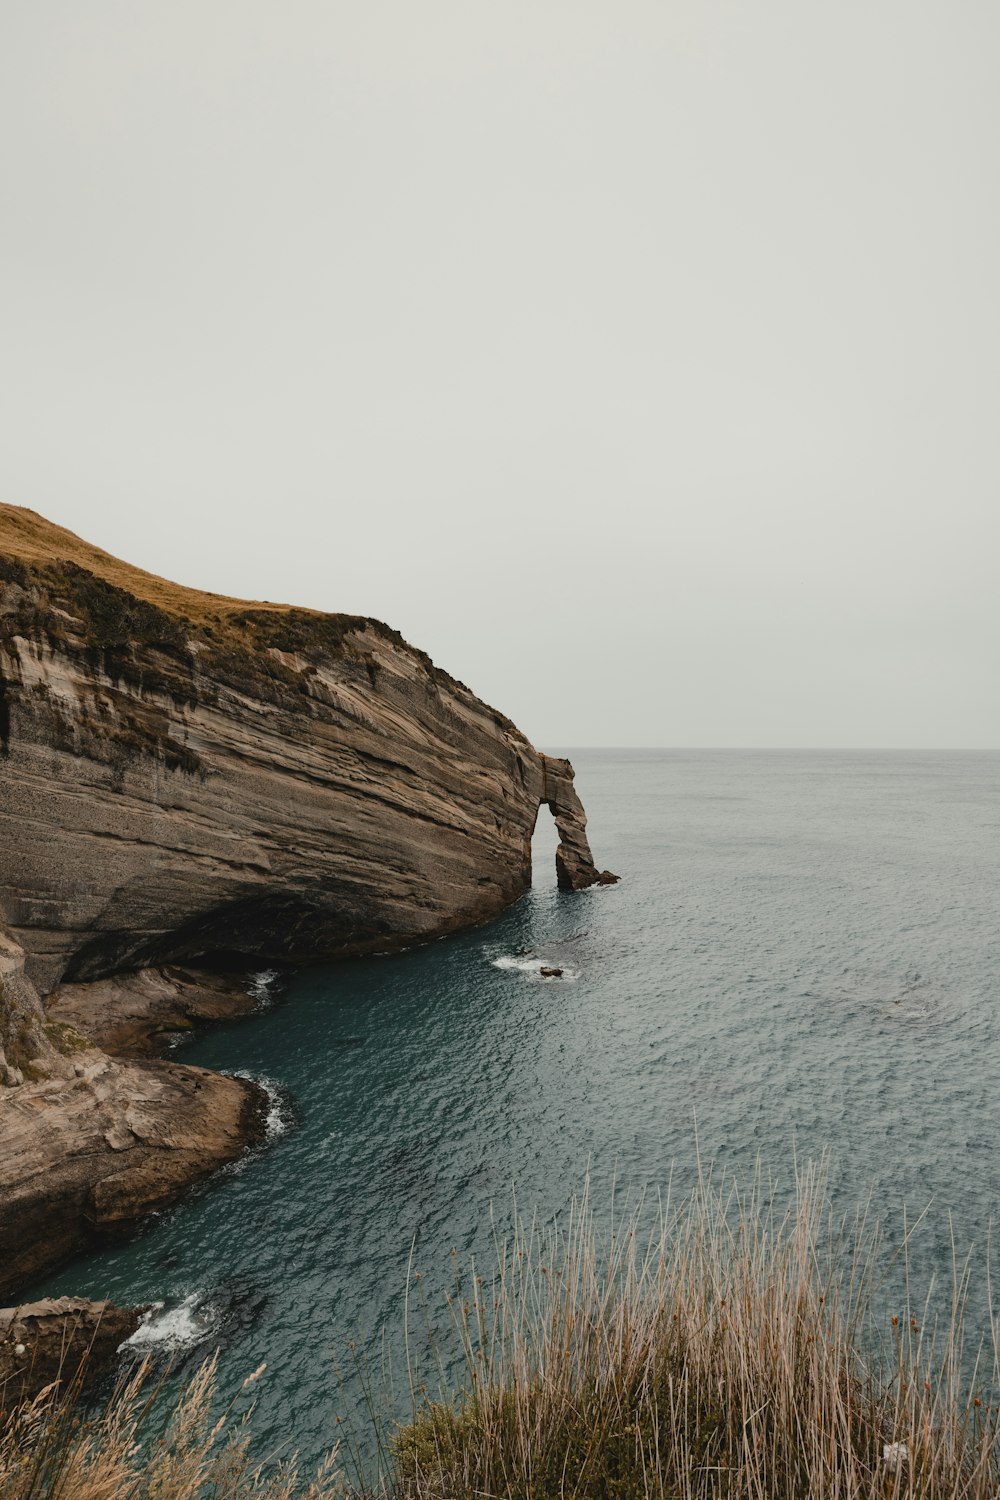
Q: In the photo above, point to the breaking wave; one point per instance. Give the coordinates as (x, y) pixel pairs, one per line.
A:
(261, 987)
(167, 1329)
(533, 967)
(279, 1111)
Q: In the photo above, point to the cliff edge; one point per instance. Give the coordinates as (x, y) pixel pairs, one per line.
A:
(192, 779)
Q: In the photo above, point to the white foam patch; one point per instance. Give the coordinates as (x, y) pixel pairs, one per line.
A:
(533, 967)
(166, 1329)
(526, 965)
(260, 987)
(278, 1117)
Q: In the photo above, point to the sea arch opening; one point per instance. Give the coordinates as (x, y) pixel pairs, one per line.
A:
(545, 840)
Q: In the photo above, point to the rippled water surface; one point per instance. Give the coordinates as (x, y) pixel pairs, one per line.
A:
(803, 953)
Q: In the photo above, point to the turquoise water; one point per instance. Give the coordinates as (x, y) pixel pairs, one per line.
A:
(803, 954)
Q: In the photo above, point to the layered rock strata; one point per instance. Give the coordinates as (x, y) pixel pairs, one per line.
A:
(575, 869)
(187, 779)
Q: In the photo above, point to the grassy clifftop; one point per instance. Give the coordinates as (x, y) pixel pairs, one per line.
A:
(118, 605)
(31, 539)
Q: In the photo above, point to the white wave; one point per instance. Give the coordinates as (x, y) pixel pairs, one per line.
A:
(526, 965)
(533, 966)
(278, 1117)
(168, 1328)
(260, 987)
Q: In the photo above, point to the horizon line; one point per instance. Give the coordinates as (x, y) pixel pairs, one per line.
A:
(807, 749)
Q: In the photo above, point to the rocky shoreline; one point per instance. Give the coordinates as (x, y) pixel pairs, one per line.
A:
(104, 1140)
(88, 1154)
(140, 1015)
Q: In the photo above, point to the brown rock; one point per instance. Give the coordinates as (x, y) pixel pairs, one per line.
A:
(89, 1145)
(192, 779)
(188, 776)
(87, 1157)
(575, 868)
(42, 1342)
(138, 1015)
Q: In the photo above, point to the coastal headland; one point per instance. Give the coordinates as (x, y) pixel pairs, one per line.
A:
(194, 787)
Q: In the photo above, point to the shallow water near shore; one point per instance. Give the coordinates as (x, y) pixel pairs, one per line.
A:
(803, 956)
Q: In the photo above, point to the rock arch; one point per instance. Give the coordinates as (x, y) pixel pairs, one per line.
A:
(575, 868)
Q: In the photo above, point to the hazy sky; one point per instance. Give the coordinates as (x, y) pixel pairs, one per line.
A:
(640, 361)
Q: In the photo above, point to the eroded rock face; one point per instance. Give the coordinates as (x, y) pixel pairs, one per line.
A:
(90, 1144)
(51, 1340)
(575, 869)
(87, 1156)
(188, 779)
(213, 778)
(139, 1015)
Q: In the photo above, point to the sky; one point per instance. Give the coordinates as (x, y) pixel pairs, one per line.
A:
(639, 361)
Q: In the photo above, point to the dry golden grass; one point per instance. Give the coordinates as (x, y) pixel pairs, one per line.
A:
(734, 1354)
(31, 539)
(134, 1449)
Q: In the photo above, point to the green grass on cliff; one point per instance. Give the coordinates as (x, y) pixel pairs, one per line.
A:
(732, 1355)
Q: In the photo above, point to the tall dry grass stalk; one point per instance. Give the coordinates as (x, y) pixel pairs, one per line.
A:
(734, 1353)
(144, 1447)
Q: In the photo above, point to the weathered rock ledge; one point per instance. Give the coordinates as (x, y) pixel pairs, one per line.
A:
(190, 780)
(139, 1015)
(51, 1340)
(91, 1144)
(87, 1158)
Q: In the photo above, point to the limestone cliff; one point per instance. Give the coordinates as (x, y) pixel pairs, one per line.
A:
(187, 778)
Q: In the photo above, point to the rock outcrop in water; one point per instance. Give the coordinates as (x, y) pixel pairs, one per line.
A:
(51, 1340)
(191, 779)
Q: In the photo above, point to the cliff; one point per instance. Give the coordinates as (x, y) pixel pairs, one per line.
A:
(90, 1143)
(188, 778)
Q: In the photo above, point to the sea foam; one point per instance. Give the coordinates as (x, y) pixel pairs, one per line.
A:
(532, 967)
(166, 1329)
(260, 988)
(279, 1113)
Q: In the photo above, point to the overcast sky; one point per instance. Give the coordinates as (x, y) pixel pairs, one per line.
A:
(640, 361)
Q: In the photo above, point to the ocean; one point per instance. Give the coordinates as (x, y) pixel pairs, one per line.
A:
(802, 961)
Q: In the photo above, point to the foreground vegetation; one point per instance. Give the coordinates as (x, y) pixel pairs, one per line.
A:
(142, 1447)
(734, 1353)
